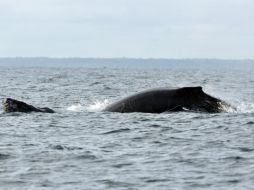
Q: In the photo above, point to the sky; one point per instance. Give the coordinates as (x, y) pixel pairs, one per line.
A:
(127, 28)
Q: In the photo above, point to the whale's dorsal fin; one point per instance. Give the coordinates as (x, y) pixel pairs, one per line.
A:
(198, 88)
(195, 88)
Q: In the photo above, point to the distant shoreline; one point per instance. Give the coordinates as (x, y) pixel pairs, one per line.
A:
(140, 63)
(125, 58)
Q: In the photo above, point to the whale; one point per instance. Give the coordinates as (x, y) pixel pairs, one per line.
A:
(12, 105)
(161, 100)
(156, 100)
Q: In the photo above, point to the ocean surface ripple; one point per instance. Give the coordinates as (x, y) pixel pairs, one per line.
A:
(81, 147)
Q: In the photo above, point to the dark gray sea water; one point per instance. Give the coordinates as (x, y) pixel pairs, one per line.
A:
(81, 147)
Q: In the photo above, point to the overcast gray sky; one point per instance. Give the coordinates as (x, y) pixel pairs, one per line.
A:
(127, 28)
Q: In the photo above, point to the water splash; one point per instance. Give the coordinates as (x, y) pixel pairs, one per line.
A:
(76, 108)
(98, 105)
(244, 107)
(225, 107)
(236, 100)
(94, 107)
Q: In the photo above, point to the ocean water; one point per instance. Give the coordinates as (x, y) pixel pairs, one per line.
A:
(81, 147)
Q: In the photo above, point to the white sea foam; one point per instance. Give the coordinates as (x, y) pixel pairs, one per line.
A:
(228, 108)
(235, 100)
(245, 107)
(241, 107)
(98, 105)
(95, 106)
(75, 108)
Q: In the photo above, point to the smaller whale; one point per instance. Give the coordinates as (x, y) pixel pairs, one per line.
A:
(12, 105)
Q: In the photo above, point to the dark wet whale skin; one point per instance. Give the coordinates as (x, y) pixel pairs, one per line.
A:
(164, 99)
(12, 105)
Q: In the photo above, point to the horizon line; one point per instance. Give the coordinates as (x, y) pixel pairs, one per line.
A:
(133, 58)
